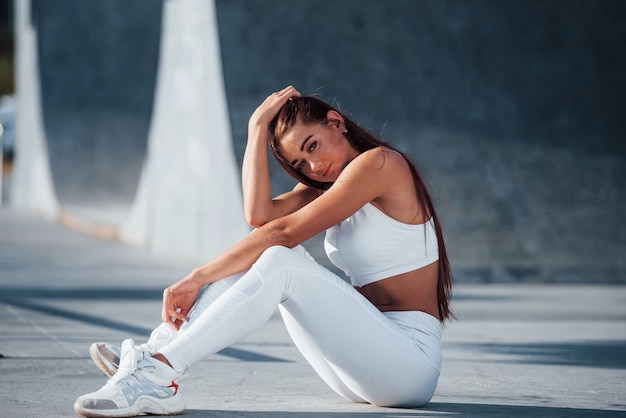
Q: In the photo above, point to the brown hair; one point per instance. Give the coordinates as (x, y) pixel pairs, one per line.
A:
(310, 110)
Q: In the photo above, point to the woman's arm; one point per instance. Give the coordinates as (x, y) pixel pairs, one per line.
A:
(259, 207)
(367, 177)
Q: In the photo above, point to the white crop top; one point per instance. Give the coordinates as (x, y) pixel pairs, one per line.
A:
(371, 246)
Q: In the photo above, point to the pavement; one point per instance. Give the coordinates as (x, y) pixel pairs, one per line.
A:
(515, 350)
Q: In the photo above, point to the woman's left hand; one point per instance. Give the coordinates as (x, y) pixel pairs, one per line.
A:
(178, 300)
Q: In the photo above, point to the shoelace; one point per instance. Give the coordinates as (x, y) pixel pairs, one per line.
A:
(130, 355)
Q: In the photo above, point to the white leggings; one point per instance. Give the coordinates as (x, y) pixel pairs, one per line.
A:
(387, 359)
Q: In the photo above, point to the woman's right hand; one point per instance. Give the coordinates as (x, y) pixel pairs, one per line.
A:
(178, 299)
(266, 111)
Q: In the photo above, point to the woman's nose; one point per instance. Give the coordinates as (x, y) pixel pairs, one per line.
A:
(316, 167)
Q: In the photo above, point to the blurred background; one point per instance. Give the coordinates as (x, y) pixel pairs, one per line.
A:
(514, 111)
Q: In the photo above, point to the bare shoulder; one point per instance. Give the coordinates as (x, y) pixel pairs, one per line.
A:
(381, 170)
(398, 196)
(381, 159)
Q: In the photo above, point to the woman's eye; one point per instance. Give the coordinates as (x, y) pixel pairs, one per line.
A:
(313, 146)
(300, 166)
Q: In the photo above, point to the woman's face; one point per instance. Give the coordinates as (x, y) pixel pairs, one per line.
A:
(318, 151)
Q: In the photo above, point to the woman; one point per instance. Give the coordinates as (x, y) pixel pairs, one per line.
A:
(376, 341)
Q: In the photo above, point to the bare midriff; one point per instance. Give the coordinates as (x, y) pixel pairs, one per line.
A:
(412, 291)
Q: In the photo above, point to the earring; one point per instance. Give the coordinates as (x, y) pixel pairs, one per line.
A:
(345, 131)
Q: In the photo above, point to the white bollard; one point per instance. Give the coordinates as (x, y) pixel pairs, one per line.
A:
(31, 182)
(189, 197)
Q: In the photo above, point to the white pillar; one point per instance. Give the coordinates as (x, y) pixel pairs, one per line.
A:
(189, 197)
(31, 183)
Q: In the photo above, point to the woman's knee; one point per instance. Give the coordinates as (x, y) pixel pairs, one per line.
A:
(273, 255)
(280, 263)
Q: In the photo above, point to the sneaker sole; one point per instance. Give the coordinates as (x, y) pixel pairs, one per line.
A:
(144, 405)
(102, 363)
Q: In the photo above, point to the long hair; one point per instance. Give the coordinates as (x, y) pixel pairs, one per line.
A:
(310, 110)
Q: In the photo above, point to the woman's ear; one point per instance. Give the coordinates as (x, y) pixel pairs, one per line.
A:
(335, 119)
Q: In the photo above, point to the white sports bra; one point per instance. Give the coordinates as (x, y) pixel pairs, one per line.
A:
(371, 246)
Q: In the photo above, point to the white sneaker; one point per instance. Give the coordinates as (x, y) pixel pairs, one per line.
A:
(142, 385)
(107, 356)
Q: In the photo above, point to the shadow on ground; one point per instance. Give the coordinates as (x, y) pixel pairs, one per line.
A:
(609, 354)
(433, 409)
(25, 298)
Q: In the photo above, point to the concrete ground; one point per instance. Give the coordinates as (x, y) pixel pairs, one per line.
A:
(523, 350)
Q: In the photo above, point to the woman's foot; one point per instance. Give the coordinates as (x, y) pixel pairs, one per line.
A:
(142, 385)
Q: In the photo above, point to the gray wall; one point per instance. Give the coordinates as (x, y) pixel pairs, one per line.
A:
(98, 62)
(513, 110)
(98, 53)
(551, 71)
